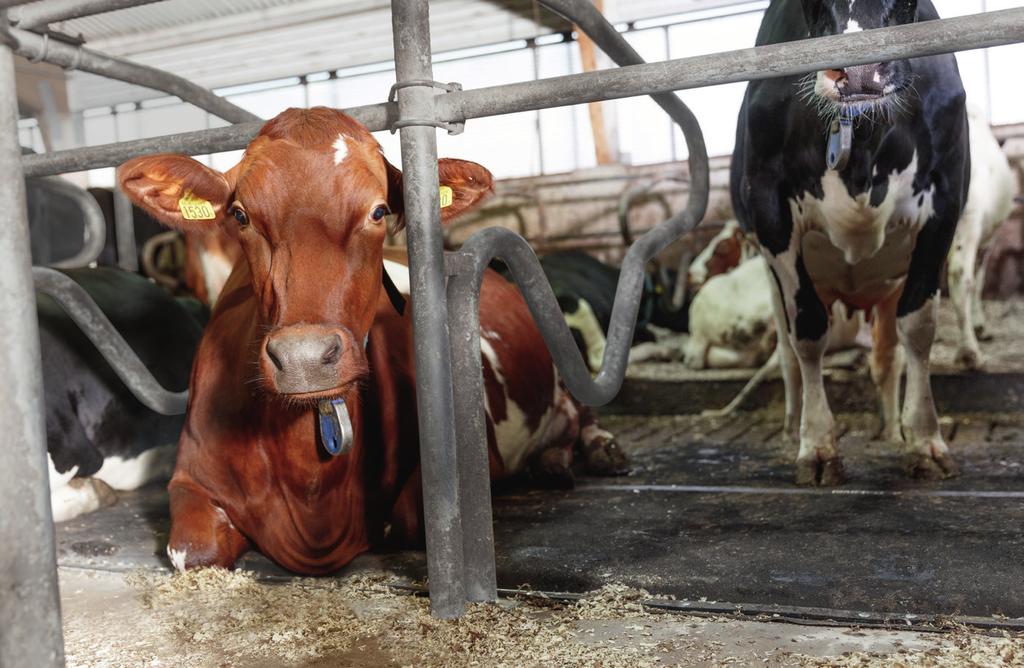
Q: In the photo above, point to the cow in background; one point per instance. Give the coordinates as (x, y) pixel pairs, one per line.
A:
(99, 436)
(870, 226)
(303, 332)
(989, 202)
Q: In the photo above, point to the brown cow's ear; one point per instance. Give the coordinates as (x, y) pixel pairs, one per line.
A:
(463, 184)
(469, 182)
(176, 190)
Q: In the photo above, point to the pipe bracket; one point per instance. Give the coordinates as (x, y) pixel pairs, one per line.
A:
(453, 128)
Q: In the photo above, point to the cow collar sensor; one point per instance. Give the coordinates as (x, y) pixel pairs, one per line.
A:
(335, 426)
(840, 139)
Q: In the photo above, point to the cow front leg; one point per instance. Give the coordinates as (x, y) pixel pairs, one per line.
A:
(201, 533)
(806, 326)
(886, 363)
(928, 455)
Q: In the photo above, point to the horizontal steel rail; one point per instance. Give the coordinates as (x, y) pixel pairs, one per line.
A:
(40, 14)
(69, 56)
(920, 39)
(230, 138)
(98, 328)
(95, 222)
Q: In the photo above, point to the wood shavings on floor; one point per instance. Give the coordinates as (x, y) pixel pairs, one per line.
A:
(220, 619)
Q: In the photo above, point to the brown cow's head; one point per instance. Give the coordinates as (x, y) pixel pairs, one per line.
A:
(309, 204)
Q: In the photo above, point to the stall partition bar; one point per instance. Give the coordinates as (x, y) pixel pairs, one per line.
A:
(30, 622)
(434, 401)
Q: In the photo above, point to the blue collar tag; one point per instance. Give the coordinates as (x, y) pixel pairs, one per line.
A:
(840, 140)
(335, 426)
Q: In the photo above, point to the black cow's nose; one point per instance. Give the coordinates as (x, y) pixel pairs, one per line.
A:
(305, 359)
(862, 80)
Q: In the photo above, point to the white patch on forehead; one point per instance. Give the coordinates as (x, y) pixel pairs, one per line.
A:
(177, 558)
(399, 274)
(340, 148)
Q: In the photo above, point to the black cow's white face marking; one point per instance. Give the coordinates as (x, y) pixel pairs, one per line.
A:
(875, 89)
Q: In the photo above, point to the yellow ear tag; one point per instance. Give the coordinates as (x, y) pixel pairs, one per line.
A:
(446, 196)
(195, 208)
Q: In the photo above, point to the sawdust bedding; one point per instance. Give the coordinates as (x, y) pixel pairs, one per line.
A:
(216, 618)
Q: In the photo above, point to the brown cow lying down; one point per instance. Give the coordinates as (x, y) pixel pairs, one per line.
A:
(308, 204)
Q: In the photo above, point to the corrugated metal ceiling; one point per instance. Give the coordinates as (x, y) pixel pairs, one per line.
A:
(218, 43)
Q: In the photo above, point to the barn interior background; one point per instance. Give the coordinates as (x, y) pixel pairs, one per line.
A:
(564, 181)
(552, 188)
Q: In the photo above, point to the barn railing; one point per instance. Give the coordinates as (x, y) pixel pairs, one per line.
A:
(460, 555)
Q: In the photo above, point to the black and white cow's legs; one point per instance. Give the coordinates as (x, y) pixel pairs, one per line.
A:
(788, 365)
(807, 323)
(928, 454)
(962, 290)
(886, 363)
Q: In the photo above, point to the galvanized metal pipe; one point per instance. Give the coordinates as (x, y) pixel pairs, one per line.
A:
(95, 223)
(33, 46)
(98, 328)
(30, 624)
(230, 138)
(42, 13)
(410, 22)
(956, 34)
(124, 228)
(480, 579)
(765, 62)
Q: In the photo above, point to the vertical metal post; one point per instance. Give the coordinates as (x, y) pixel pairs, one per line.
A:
(471, 432)
(30, 625)
(434, 400)
(124, 229)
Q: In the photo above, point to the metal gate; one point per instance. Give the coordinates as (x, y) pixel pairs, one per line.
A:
(445, 287)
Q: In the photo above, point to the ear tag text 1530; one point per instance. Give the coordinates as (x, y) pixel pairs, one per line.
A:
(446, 196)
(195, 208)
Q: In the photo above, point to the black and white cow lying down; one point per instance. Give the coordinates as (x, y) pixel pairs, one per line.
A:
(873, 232)
(99, 436)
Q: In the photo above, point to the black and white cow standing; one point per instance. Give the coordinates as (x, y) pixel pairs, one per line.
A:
(873, 232)
(99, 436)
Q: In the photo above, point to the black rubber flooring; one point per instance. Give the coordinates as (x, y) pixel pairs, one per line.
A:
(710, 513)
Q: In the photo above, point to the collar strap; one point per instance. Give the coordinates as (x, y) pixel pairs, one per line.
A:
(396, 297)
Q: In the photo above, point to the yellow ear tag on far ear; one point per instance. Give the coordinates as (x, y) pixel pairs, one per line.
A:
(446, 196)
(195, 208)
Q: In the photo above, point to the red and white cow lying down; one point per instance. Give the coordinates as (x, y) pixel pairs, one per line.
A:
(308, 204)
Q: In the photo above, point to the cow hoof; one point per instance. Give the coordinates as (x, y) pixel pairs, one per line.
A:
(924, 466)
(818, 473)
(605, 458)
(969, 359)
(553, 469)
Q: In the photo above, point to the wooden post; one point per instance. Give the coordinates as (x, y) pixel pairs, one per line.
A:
(588, 55)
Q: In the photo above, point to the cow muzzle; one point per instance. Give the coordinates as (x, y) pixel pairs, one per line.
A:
(860, 83)
(311, 360)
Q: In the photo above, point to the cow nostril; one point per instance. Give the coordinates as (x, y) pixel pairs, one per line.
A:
(333, 352)
(275, 360)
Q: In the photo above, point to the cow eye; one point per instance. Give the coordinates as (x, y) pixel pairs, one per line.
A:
(379, 213)
(239, 213)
